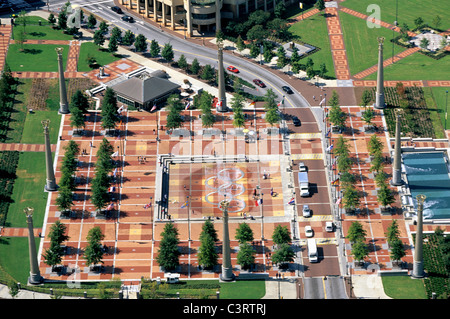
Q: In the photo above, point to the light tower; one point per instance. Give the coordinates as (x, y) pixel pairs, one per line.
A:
(418, 249)
(379, 95)
(63, 104)
(50, 185)
(222, 102)
(397, 169)
(227, 270)
(35, 275)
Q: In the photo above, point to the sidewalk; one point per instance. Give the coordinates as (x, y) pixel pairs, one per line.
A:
(368, 287)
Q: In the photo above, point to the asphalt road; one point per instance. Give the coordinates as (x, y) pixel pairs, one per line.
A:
(248, 70)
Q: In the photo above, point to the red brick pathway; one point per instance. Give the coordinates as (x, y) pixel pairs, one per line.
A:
(304, 16)
(5, 33)
(18, 232)
(72, 58)
(337, 44)
(24, 147)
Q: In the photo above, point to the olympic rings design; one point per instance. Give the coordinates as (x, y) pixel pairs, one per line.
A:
(224, 184)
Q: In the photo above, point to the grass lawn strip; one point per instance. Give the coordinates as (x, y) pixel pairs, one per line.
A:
(314, 31)
(103, 57)
(361, 43)
(35, 57)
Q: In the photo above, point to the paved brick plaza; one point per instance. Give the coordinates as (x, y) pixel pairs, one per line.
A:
(132, 234)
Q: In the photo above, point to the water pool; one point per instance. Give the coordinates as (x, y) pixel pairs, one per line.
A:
(427, 174)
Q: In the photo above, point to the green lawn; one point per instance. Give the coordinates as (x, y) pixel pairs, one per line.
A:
(33, 131)
(404, 287)
(314, 31)
(408, 10)
(361, 43)
(28, 190)
(40, 32)
(417, 67)
(102, 57)
(442, 98)
(14, 257)
(246, 289)
(35, 57)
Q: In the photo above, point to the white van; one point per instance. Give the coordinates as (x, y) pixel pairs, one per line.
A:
(312, 251)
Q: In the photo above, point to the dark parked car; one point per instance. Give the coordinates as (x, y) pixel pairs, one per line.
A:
(296, 121)
(127, 18)
(287, 89)
(117, 10)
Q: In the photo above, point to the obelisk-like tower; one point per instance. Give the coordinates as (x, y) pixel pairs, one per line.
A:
(218, 16)
(227, 270)
(63, 104)
(50, 184)
(418, 249)
(397, 169)
(379, 95)
(35, 275)
(222, 107)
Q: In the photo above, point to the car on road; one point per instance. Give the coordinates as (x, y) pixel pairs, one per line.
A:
(233, 69)
(309, 231)
(287, 89)
(127, 18)
(296, 121)
(259, 83)
(302, 167)
(306, 211)
(329, 227)
(117, 10)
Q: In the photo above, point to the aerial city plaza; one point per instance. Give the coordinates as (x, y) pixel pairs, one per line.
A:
(224, 150)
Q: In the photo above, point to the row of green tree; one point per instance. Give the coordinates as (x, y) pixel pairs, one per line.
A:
(168, 254)
(93, 252)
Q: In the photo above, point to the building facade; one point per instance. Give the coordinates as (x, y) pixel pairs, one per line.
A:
(200, 15)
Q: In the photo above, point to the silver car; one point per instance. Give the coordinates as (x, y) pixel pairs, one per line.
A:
(306, 211)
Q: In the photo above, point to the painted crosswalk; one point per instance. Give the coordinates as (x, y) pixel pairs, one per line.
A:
(316, 218)
(304, 135)
(316, 156)
(320, 241)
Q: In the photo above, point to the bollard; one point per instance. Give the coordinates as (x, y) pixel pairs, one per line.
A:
(120, 294)
(85, 294)
(218, 294)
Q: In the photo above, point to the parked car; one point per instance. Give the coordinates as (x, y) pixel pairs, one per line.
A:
(259, 83)
(296, 121)
(287, 89)
(306, 211)
(302, 167)
(329, 226)
(309, 231)
(127, 18)
(117, 10)
(232, 69)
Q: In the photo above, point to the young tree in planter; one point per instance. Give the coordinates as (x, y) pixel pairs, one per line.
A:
(375, 145)
(51, 19)
(360, 250)
(195, 66)
(284, 254)
(100, 195)
(92, 21)
(168, 254)
(273, 116)
(77, 119)
(368, 115)
(397, 250)
(281, 235)
(366, 98)
(322, 70)
(64, 201)
(174, 119)
(80, 101)
(93, 252)
(113, 45)
(377, 163)
(246, 255)
(238, 117)
(240, 45)
(341, 147)
(207, 255)
(117, 34)
(99, 38)
(62, 20)
(167, 53)
(244, 233)
(392, 233)
(356, 232)
(109, 110)
(209, 230)
(53, 255)
(207, 73)
(140, 44)
(344, 163)
(385, 196)
(182, 63)
(103, 27)
(154, 49)
(350, 198)
(337, 117)
(128, 38)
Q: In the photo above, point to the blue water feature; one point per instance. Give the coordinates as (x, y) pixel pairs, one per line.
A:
(427, 174)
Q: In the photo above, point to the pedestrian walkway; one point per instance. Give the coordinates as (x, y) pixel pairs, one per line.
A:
(25, 147)
(18, 232)
(337, 44)
(72, 58)
(5, 34)
(304, 16)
